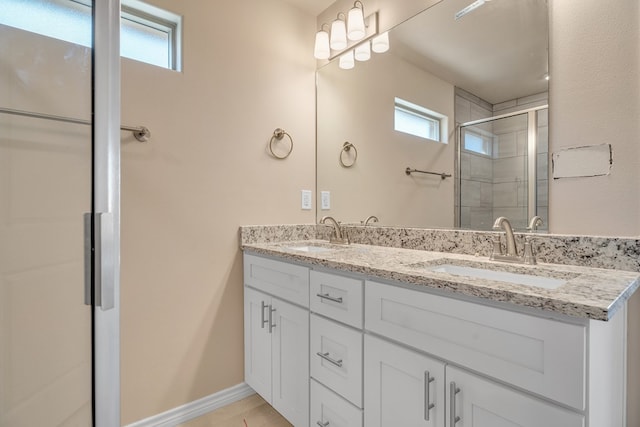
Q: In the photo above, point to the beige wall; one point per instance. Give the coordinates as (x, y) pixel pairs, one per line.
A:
(358, 106)
(595, 98)
(248, 69)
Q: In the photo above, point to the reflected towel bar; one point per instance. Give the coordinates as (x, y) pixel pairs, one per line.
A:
(141, 133)
(443, 175)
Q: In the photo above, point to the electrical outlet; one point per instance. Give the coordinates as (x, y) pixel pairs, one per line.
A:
(325, 200)
(306, 200)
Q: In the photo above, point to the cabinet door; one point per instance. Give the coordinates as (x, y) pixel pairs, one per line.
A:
(402, 387)
(257, 342)
(477, 402)
(290, 341)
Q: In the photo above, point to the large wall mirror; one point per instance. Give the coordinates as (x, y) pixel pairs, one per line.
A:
(487, 71)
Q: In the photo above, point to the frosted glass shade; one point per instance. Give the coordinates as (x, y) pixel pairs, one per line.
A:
(338, 39)
(363, 52)
(321, 50)
(380, 44)
(355, 24)
(347, 61)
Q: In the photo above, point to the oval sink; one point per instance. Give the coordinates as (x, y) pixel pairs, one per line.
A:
(309, 248)
(500, 276)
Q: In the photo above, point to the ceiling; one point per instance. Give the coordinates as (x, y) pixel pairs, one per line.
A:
(497, 52)
(314, 7)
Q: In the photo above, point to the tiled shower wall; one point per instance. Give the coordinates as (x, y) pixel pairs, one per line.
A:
(496, 185)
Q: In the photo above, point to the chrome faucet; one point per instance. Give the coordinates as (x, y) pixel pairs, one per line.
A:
(371, 218)
(512, 251)
(535, 222)
(336, 236)
(503, 222)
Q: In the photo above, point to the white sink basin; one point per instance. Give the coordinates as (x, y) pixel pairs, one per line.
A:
(500, 276)
(310, 248)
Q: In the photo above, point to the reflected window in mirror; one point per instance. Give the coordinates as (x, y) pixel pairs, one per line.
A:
(419, 121)
(478, 143)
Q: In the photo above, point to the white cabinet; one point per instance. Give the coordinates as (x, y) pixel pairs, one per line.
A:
(276, 339)
(381, 355)
(402, 387)
(331, 410)
(336, 358)
(474, 401)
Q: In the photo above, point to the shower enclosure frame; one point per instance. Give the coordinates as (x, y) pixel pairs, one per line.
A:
(532, 157)
(106, 203)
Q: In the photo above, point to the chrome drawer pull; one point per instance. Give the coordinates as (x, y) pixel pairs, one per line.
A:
(271, 322)
(330, 298)
(453, 390)
(264, 321)
(326, 357)
(428, 406)
(321, 424)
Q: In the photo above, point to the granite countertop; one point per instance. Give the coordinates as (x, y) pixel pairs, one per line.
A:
(590, 293)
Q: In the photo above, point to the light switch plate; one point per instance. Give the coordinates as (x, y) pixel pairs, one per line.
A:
(306, 200)
(325, 200)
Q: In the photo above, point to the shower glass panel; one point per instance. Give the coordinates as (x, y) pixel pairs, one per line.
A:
(497, 177)
(45, 187)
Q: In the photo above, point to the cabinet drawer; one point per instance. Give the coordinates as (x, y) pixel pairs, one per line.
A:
(540, 355)
(337, 297)
(328, 407)
(287, 281)
(336, 358)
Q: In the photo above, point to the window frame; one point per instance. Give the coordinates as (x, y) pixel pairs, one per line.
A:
(425, 114)
(135, 12)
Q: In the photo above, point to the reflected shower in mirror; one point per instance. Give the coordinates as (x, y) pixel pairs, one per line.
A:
(440, 73)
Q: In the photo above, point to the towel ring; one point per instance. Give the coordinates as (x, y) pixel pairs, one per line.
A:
(278, 134)
(346, 147)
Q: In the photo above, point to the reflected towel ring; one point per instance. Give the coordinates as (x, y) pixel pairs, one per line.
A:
(278, 134)
(346, 147)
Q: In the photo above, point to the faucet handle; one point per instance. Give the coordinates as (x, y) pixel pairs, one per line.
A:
(529, 256)
(497, 248)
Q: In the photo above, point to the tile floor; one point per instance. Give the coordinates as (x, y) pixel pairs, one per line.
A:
(252, 411)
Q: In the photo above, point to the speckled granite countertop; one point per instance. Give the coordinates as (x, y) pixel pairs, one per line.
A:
(591, 293)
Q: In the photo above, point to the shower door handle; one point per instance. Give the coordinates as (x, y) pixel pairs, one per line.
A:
(101, 284)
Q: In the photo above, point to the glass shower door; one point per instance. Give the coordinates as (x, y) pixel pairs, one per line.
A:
(503, 170)
(45, 188)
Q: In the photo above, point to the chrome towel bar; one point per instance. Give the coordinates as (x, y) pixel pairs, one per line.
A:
(141, 133)
(442, 175)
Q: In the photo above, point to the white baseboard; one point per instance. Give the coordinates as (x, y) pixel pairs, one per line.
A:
(194, 409)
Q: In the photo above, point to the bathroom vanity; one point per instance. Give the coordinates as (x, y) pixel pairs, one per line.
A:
(363, 335)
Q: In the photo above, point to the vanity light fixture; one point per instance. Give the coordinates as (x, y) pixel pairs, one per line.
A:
(346, 61)
(355, 23)
(338, 39)
(380, 44)
(363, 51)
(322, 49)
(350, 38)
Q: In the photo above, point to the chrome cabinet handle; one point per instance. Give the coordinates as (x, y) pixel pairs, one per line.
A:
(330, 298)
(271, 323)
(264, 321)
(428, 406)
(321, 424)
(453, 390)
(326, 357)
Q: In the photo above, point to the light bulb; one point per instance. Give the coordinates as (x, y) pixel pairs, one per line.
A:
(355, 24)
(321, 50)
(346, 61)
(363, 52)
(338, 35)
(380, 44)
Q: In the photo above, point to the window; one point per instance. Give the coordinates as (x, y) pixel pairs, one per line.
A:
(147, 33)
(477, 142)
(419, 121)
